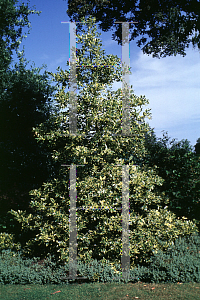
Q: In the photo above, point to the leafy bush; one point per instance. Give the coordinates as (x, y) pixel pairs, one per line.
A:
(7, 242)
(179, 166)
(180, 263)
(16, 270)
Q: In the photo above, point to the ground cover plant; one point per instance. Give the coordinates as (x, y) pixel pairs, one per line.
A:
(33, 279)
(180, 263)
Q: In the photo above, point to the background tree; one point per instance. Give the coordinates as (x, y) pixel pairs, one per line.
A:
(180, 168)
(13, 18)
(24, 164)
(197, 147)
(24, 102)
(99, 182)
(165, 27)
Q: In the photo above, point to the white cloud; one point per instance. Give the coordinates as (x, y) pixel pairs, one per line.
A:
(44, 56)
(172, 86)
(62, 60)
(178, 71)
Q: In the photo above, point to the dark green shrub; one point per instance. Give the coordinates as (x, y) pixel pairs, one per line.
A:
(17, 270)
(180, 263)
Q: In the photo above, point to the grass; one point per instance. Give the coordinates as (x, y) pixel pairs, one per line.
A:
(104, 291)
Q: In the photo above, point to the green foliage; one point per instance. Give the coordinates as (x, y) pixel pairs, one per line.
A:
(181, 262)
(14, 269)
(162, 28)
(24, 103)
(13, 18)
(197, 147)
(7, 242)
(180, 168)
(99, 182)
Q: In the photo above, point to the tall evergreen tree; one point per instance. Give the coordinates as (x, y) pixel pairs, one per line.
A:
(99, 181)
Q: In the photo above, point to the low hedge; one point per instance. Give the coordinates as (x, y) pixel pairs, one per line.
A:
(180, 263)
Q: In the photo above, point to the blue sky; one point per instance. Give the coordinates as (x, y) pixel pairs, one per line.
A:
(171, 84)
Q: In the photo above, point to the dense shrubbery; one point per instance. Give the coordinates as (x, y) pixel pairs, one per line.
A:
(181, 263)
(17, 270)
(7, 241)
(179, 166)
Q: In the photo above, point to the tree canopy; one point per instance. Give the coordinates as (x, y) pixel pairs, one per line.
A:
(13, 18)
(163, 28)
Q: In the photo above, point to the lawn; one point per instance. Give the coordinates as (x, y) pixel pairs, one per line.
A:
(105, 291)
